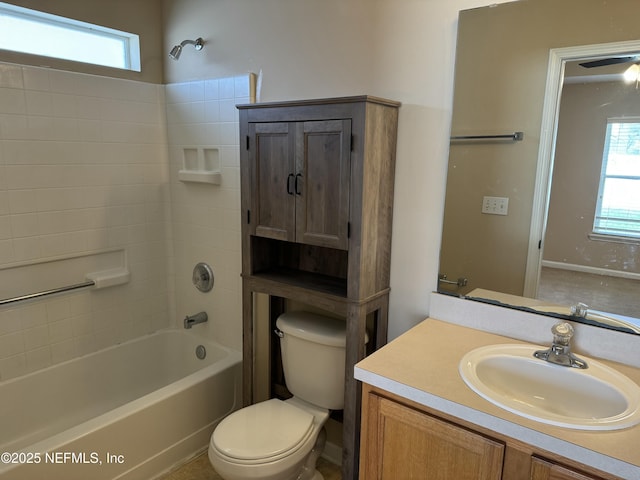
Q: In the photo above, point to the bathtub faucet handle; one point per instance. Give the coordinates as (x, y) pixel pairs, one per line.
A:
(191, 320)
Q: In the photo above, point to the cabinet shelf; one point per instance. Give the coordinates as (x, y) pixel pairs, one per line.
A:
(307, 280)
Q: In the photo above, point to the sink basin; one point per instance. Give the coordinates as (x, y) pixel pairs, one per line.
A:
(509, 376)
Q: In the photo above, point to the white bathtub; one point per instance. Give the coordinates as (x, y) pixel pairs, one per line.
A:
(126, 412)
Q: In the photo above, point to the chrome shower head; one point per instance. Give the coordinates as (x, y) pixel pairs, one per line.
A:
(176, 51)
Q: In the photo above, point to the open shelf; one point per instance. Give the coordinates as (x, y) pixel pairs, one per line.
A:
(315, 268)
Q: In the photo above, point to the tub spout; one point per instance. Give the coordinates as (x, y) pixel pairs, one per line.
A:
(191, 320)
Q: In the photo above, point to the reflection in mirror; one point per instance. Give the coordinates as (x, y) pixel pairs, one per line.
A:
(546, 241)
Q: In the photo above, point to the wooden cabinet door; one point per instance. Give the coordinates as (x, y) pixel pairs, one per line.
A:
(402, 443)
(300, 181)
(271, 159)
(544, 470)
(322, 183)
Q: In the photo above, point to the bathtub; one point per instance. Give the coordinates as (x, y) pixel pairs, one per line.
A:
(126, 412)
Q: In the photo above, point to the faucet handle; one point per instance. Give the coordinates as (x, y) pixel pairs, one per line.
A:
(562, 333)
(580, 309)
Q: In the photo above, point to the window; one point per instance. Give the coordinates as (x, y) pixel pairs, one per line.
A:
(618, 206)
(29, 31)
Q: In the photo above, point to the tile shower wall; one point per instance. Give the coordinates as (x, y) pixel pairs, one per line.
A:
(206, 218)
(83, 168)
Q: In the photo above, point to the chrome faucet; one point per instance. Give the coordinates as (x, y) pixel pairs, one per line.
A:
(560, 350)
(191, 320)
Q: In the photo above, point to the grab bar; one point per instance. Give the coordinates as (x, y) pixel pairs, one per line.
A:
(515, 136)
(88, 283)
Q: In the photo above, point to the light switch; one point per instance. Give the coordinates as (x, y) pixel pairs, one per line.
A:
(495, 205)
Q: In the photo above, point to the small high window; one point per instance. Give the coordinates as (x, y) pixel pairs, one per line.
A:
(38, 33)
(618, 207)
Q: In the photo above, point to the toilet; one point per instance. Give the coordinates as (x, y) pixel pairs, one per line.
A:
(281, 440)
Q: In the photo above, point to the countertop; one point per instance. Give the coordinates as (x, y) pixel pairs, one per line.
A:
(422, 366)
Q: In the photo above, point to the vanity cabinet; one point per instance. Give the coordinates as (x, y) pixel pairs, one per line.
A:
(317, 181)
(401, 442)
(404, 440)
(300, 176)
(544, 470)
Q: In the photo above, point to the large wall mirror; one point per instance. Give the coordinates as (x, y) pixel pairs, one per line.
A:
(542, 209)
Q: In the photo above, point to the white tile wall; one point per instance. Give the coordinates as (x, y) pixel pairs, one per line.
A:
(206, 218)
(83, 168)
(90, 163)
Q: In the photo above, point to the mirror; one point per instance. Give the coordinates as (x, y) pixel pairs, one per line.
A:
(535, 249)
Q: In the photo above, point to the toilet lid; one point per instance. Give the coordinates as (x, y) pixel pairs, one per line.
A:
(263, 430)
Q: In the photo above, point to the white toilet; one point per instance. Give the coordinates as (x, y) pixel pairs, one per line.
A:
(281, 440)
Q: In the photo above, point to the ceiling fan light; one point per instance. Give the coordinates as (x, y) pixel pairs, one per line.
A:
(632, 74)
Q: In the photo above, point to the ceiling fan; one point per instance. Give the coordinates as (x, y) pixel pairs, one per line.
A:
(603, 62)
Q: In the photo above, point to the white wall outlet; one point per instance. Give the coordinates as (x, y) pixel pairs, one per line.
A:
(495, 205)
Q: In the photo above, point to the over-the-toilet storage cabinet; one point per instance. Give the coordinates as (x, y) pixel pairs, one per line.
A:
(317, 200)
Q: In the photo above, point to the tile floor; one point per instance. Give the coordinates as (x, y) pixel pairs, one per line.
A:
(200, 469)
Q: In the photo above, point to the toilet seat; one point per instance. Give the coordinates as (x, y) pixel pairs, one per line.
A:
(261, 433)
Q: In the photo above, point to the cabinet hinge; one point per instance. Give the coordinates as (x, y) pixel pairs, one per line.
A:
(247, 142)
(348, 229)
(539, 244)
(249, 217)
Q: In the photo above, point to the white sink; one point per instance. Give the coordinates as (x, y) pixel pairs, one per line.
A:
(509, 376)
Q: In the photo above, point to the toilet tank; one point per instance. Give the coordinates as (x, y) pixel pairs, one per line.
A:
(313, 357)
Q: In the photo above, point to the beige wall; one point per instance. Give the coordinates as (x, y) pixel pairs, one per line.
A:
(315, 46)
(142, 17)
(399, 49)
(584, 110)
(500, 81)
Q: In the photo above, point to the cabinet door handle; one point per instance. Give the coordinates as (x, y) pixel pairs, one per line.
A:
(298, 176)
(289, 189)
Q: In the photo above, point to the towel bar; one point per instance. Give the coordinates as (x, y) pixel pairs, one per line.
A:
(515, 136)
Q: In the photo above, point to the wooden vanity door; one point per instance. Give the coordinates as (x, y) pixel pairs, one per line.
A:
(402, 443)
(543, 470)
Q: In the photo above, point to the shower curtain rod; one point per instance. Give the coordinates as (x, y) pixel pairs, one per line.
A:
(88, 283)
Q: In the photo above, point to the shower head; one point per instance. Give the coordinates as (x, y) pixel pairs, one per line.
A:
(175, 52)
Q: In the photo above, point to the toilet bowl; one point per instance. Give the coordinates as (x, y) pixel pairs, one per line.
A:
(282, 439)
(271, 440)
